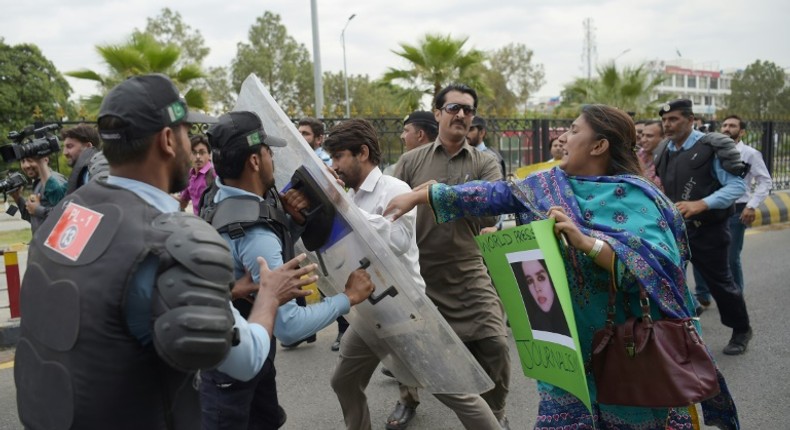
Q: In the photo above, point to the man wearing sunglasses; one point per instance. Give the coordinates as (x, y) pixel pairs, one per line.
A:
(457, 282)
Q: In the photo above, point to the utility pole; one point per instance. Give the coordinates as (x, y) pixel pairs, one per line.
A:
(318, 79)
(589, 50)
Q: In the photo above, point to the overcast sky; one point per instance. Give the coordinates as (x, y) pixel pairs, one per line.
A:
(722, 33)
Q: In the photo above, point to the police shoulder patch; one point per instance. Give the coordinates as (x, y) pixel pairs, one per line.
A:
(73, 230)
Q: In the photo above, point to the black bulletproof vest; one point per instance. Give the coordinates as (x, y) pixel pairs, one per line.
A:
(77, 365)
(234, 214)
(687, 175)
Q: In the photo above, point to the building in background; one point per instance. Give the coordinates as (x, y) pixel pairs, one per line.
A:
(703, 83)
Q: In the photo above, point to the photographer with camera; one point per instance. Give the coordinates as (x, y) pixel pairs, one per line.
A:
(48, 189)
(32, 147)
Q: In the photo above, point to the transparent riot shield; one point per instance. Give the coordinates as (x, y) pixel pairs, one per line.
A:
(399, 322)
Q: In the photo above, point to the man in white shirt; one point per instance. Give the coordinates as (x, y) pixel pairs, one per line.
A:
(354, 147)
(759, 184)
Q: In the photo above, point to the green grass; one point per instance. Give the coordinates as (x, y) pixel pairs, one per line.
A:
(16, 236)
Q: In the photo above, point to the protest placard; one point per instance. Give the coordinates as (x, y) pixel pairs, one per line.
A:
(526, 266)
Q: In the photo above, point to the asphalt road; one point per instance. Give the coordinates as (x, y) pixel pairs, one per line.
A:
(759, 380)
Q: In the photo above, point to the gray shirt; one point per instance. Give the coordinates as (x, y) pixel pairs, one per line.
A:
(450, 262)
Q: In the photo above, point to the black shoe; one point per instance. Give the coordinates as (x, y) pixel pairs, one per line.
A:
(699, 310)
(400, 417)
(283, 416)
(704, 301)
(738, 343)
(309, 339)
(336, 344)
(504, 423)
(387, 372)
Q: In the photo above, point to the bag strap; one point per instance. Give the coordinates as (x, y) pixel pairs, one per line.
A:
(644, 301)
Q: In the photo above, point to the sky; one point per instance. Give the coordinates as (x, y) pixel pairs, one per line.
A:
(721, 34)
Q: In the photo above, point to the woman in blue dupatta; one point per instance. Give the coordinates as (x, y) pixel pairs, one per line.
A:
(618, 224)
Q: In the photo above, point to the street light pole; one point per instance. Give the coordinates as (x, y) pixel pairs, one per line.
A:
(345, 69)
(318, 80)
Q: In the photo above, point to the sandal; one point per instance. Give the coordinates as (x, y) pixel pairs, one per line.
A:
(400, 417)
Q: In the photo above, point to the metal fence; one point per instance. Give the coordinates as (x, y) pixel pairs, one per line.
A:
(772, 139)
(524, 141)
(521, 141)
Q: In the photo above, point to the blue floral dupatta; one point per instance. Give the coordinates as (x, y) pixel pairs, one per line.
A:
(658, 267)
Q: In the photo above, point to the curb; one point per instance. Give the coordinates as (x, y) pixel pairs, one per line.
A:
(9, 333)
(773, 210)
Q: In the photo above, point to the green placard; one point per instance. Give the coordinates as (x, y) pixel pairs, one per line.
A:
(528, 272)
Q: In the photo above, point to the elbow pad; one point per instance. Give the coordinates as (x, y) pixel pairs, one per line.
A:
(193, 323)
(728, 154)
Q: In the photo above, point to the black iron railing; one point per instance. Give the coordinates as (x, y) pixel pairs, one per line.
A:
(524, 141)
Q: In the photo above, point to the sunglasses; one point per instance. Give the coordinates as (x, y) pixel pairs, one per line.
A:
(454, 108)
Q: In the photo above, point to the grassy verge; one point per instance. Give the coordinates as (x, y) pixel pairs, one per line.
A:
(15, 236)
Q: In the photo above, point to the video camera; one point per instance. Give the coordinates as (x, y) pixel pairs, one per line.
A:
(42, 144)
(12, 182)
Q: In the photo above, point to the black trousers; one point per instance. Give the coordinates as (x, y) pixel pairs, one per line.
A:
(710, 247)
(230, 404)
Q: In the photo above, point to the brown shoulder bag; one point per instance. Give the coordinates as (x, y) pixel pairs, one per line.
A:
(652, 364)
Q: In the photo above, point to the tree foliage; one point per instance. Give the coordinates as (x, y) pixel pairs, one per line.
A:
(142, 54)
(516, 66)
(29, 84)
(221, 96)
(282, 64)
(494, 96)
(760, 91)
(366, 97)
(169, 28)
(628, 89)
(435, 62)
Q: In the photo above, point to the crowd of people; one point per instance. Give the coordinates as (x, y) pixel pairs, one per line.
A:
(180, 333)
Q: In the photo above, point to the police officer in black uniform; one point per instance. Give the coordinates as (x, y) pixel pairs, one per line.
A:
(703, 175)
(125, 297)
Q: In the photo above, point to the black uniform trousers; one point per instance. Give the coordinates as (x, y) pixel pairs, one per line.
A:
(710, 244)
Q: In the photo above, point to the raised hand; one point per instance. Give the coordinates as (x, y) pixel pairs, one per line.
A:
(285, 282)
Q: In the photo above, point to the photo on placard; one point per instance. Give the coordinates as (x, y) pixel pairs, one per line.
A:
(544, 311)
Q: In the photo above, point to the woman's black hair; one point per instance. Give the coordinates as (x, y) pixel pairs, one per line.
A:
(618, 128)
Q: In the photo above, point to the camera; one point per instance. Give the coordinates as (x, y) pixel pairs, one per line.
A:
(12, 182)
(43, 143)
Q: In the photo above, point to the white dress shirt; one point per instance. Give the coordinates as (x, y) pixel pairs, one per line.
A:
(758, 180)
(372, 198)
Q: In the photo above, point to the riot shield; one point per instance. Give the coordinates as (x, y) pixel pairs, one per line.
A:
(399, 322)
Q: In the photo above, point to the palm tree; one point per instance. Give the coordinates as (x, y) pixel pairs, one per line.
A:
(142, 54)
(436, 61)
(628, 89)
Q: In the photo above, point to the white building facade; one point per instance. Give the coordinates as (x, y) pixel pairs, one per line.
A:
(704, 84)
